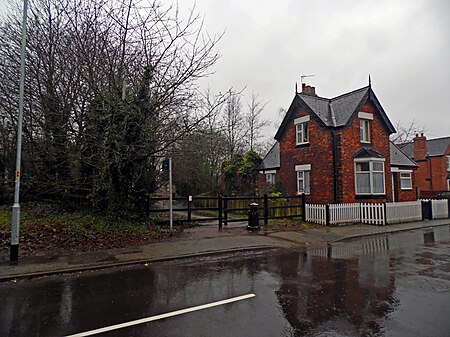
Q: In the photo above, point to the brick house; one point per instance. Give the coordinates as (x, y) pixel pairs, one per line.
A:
(433, 157)
(338, 151)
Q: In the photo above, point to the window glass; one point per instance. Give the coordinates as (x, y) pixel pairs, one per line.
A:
(405, 181)
(369, 177)
(303, 184)
(363, 183)
(378, 182)
(302, 133)
(364, 132)
(378, 166)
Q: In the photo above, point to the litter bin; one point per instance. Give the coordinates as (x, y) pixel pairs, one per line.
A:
(253, 217)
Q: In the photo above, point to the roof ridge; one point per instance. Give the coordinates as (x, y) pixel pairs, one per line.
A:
(440, 138)
(351, 92)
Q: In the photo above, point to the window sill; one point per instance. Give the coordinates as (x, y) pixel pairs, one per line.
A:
(300, 193)
(406, 189)
(302, 145)
(370, 196)
(365, 142)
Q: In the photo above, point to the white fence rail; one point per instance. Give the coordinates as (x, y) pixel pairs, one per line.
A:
(397, 212)
(372, 214)
(316, 213)
(344, 213)
(439, 209)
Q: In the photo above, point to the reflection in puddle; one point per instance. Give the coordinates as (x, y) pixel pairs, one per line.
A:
(364, 287)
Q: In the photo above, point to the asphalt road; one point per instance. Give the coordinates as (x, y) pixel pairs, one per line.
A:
(388, 285)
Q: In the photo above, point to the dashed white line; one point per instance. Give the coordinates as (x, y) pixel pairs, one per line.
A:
(157, 317)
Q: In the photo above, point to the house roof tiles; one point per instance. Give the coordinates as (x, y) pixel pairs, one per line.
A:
(272, 158)
(399, 158)
(435, 147)
(334, 112)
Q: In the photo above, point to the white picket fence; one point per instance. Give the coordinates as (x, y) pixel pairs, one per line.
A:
(397, 212)
(344, 213)
(439, 209)
(316, 213)
(372, 214)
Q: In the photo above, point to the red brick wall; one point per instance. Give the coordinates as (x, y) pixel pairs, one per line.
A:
(437, 180)
(317, 153)
(350, 143)
(404, 195)
(439, 173)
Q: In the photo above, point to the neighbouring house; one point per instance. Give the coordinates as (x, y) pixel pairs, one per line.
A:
(433, 157)
(338, 151)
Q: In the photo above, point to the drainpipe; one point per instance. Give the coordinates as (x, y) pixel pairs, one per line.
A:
(335, 179)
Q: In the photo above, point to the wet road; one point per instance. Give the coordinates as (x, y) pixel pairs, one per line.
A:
(389, 285)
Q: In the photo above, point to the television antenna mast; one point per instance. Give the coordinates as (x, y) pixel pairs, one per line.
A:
(302, 77)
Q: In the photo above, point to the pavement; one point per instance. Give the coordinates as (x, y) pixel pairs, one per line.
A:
(204, 240)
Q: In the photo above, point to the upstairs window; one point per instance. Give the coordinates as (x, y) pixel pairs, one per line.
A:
(301, 130)
(364, 126)
(303, 178)
(448, 163)
(405, 181)
(364, 130)
(369, 176)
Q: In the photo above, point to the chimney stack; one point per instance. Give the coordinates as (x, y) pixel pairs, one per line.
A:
(420, 147)
(308, 90)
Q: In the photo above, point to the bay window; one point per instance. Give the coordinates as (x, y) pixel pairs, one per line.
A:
(369, 176)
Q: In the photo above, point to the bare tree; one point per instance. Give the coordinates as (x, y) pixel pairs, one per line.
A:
(234, 125)
(254, 120)
(406, 132)
(111, 86)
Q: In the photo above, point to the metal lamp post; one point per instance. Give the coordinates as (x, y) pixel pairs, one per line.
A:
(15, 224)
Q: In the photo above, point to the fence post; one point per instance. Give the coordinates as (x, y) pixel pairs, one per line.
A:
(448, 207)
(303, 207)
(220, 212)
(189, 212)
(266, 209)
(225, 210)
(327, 215)
(385, 219)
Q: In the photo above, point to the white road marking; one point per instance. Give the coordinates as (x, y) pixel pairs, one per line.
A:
(169, 314)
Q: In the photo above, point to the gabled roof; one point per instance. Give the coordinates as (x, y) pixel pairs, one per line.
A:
(334, 112)
(399, 158)
(272, 159)
(435, 147)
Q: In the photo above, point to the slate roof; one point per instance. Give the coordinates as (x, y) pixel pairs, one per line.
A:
(399, 158)
(435, 147)
(334, 112)
(272, 159)
(367, 153)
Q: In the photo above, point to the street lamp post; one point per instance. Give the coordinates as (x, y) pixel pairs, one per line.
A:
(15, 222)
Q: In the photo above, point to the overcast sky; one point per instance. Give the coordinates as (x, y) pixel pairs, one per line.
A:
(403, 45)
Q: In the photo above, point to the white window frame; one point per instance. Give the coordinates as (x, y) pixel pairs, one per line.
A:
(301, 130)
(270, 178)
(371, 172)
(407, 177)
(303, 173)
(448, 184)
(448, 163)
(364, 130)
